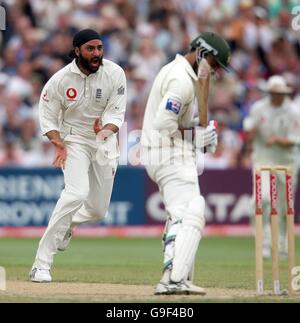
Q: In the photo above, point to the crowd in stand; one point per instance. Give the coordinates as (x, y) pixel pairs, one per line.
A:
(142, 36)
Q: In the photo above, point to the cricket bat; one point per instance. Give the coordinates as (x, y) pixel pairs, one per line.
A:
(202, 92)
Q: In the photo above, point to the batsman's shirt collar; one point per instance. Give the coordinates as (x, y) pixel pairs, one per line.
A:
(187, 66)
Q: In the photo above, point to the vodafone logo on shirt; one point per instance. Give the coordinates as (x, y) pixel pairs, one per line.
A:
(71, 94)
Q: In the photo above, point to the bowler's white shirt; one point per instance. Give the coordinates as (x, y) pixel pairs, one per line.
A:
(71, 101)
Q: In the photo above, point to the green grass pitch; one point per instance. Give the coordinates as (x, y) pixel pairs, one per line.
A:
(223, 263)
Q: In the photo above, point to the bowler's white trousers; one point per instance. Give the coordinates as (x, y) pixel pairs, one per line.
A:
(85, 199)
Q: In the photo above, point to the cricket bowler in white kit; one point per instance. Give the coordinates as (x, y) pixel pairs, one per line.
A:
(274, 127)
(170, 158)
(86, 97)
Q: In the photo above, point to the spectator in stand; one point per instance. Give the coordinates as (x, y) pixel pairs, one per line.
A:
(144, 34)
(230, 144)
(10, 156)
(147, 57)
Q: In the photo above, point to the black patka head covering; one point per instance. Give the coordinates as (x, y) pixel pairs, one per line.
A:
(82, 37)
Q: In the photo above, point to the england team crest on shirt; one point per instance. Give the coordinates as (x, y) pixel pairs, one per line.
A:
(98, 94)
(173, 106)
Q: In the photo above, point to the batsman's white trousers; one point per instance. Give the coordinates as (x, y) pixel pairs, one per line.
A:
(178, 185)
(85, 199)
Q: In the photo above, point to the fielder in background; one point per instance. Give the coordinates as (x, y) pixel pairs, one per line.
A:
(292, 81)
(169, 154)
(72, 104)
(274, 127)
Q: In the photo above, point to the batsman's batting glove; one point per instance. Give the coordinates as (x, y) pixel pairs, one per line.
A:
(207, 138)
(213, 147)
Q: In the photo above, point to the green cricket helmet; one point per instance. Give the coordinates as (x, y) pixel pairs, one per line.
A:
(209, 42)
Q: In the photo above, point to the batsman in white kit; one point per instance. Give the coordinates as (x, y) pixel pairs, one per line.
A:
(274, 127)
(170, 157)
(86, 97)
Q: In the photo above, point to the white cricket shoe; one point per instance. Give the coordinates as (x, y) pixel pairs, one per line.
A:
(40, 276)
(63, 245)
(185, 288)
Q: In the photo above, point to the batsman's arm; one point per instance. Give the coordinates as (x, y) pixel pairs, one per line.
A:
(171, 108)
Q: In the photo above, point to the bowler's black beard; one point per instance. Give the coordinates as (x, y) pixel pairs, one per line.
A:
(85, 64)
